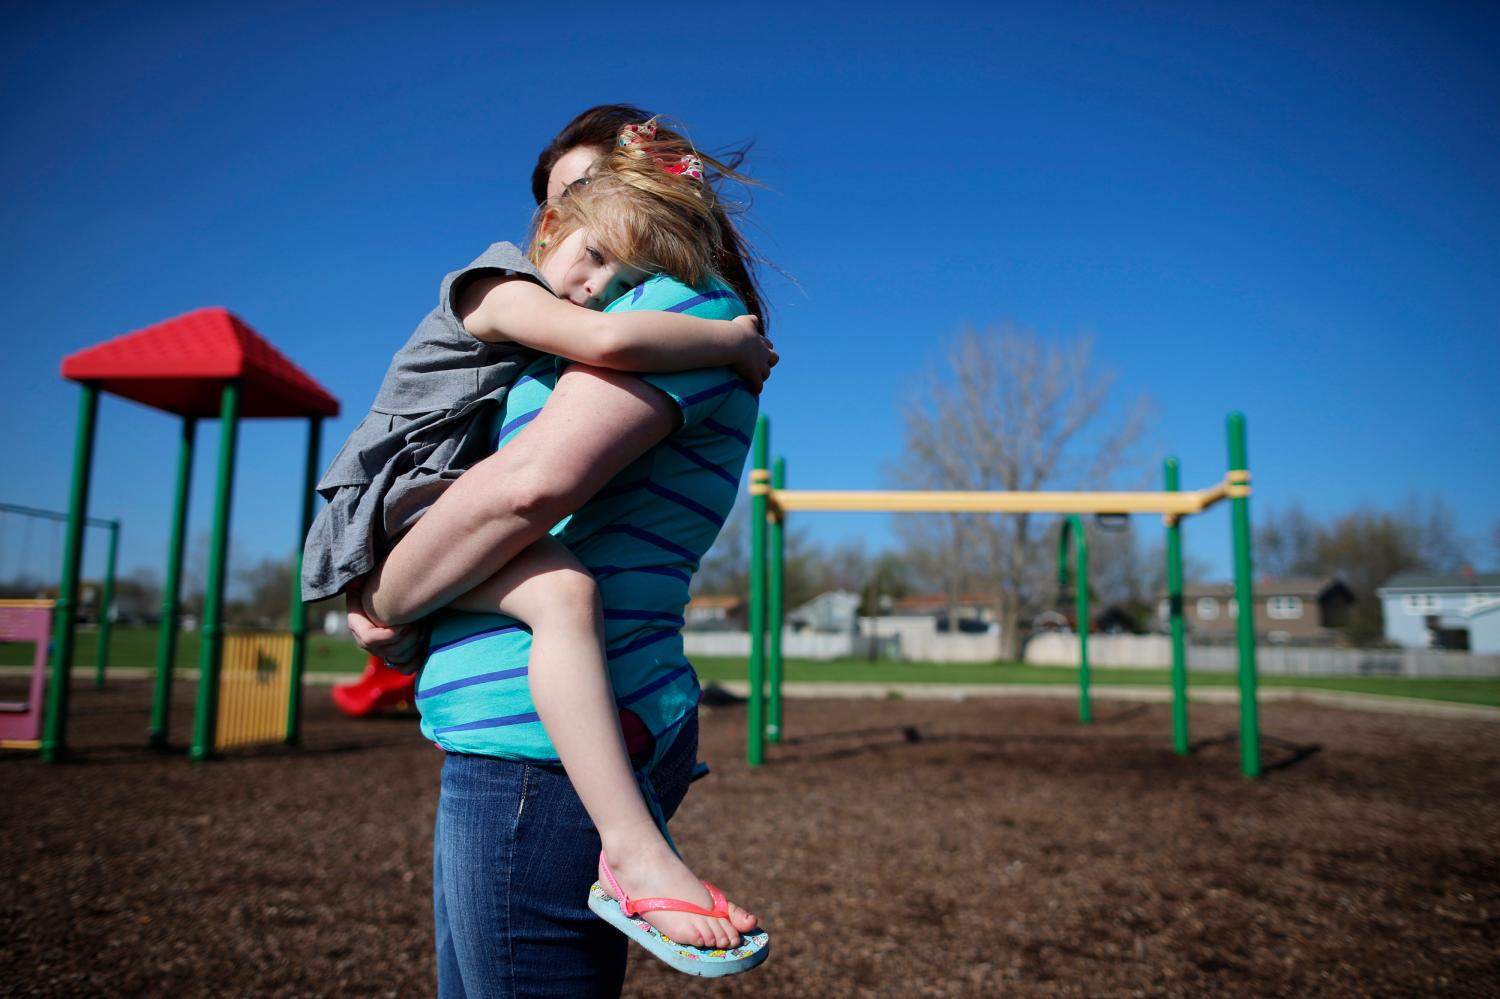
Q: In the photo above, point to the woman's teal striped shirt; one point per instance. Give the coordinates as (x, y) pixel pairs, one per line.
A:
(641, 536)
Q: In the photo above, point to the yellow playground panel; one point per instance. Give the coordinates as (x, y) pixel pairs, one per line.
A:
(255, 689)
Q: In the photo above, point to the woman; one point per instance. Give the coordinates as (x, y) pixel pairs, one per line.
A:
(649, 468)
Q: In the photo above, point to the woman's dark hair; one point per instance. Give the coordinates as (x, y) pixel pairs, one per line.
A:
(600, 126)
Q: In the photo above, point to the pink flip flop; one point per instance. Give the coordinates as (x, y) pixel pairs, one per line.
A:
(624, 914)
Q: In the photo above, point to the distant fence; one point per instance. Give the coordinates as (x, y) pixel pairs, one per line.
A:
(1272, 660)
(794, 644)
(909, 645)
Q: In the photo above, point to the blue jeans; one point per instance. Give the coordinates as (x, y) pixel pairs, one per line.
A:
(513, 857)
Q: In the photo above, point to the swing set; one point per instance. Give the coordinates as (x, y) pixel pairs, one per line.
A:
(106, 598)
(771, 501)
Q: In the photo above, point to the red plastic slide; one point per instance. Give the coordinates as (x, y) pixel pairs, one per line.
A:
(378, 689)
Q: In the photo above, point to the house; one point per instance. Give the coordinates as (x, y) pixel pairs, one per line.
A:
(1306, 611)
(710, 612)
(833, 611)
(1112, 619)
(975, 613)
(1424, 610)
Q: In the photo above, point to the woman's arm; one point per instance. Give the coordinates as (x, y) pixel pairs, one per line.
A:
(596, 423)
(509, 308)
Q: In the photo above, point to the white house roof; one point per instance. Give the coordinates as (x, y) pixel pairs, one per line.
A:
(1412, 582)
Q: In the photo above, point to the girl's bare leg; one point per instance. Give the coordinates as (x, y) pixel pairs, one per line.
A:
(546, 587)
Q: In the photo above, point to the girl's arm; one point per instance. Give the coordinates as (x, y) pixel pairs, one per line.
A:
(510, 308)
(595, 423)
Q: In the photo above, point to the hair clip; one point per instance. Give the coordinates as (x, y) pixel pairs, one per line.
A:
(635, 135)
(688, 166)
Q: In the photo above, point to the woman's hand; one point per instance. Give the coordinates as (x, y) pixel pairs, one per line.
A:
(403, 646)
(757, 356)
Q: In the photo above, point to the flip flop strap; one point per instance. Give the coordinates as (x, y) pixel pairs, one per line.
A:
(609, 876)
(640, 905)
(634, 907)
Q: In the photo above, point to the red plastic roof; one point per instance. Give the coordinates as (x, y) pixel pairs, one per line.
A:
(181, 365)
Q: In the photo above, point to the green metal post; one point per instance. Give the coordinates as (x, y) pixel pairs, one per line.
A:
(299, 609)
(106, 604)
(1073, 526)
(211, 634)
(55, 724)
(1171, 473)
(778, 560)
(760, 480)
(166, 642)
(1239, 476)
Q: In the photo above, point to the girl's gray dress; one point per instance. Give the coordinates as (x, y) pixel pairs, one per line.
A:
(431, 420)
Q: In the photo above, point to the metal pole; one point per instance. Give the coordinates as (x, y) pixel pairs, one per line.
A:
(1239, 476)
(1172, 475)
(760, 481)
(166, 642)
(211, 635)
(299, 609)
(778, 552)
(1073, 526)
(106, 604)
(54, 734)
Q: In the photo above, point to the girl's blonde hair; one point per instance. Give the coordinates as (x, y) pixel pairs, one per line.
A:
(647, 203)
(599, 127)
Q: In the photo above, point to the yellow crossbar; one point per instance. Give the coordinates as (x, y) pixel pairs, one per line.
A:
(1170, 504)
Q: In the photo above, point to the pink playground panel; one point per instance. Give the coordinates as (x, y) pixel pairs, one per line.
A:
(26, 621)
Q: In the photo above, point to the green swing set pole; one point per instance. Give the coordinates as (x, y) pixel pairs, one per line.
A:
(299, 609)
(1073, 526)
(760, 481)
(1239, 484)
(1171, 474)
(55, 724)
(166, 642)
(211, 636)
(106, 603)
(777, 606)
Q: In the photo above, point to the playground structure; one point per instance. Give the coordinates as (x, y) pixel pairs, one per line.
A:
(771, 501)
(196, 366)
(378, 688)
(26, 621)
(107, 597)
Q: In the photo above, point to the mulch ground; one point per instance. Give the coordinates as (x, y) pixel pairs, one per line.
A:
(897, 848)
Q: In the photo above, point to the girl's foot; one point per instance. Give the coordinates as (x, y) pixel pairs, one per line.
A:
(660, 873)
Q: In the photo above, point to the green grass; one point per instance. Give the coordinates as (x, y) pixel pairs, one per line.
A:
(327, 654)
(1486, 692)
(137, 647)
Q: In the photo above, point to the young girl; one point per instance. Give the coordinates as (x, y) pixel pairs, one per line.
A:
(644, 209)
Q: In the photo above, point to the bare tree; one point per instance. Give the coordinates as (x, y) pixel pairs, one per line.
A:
(1286, 543)
(1010, 411)
(1365, 548)
(809, 567)
(263, 592)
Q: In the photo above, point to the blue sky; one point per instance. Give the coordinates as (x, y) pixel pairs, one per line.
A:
(1286, 211)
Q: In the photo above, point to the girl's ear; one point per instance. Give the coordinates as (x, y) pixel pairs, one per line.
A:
(546, 229)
